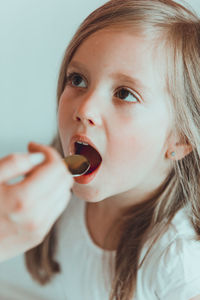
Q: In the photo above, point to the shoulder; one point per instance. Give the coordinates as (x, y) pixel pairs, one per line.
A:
(178, 261)
(178, 270)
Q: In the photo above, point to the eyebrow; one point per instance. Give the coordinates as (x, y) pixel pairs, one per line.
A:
(116, 76)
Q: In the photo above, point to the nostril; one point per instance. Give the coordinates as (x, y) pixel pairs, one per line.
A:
(91, 122)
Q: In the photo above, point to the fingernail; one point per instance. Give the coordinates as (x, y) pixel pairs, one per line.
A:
(36, 158)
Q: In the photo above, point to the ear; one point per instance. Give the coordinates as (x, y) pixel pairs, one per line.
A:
(179, 148)
(180, 151)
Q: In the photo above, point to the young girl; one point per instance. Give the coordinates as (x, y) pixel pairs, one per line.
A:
(128, 99)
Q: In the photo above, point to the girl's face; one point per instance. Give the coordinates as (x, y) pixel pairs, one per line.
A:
(118, 99)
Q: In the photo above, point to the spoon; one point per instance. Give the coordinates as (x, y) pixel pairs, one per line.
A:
(77, 164)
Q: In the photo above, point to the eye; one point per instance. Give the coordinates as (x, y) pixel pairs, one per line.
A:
(74, 79)
(123, 93)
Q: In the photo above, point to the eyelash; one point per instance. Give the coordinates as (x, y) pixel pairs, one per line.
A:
(70, 76)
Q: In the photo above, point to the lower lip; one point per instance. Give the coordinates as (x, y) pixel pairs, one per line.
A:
(84, 179)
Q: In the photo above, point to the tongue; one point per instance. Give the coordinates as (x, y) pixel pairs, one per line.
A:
(92, 155)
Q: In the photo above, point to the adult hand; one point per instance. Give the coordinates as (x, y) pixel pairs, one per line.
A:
(29, 208)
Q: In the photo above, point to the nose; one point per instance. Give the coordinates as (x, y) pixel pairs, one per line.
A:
(88, 113)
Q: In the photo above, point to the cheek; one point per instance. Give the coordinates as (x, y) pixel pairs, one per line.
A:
(60, 115)
(64, 124)
(126, 150)
(64, 113)
(138, 144)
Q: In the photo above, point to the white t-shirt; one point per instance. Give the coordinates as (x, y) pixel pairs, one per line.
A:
(170, 272)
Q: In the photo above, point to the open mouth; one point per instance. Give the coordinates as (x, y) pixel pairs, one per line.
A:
(91, 154)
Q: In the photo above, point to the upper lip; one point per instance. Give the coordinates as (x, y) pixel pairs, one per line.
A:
(81, 138)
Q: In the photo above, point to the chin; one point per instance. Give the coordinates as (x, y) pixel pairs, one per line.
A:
(88, 194)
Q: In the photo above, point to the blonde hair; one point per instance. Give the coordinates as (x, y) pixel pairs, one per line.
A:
(179, 28)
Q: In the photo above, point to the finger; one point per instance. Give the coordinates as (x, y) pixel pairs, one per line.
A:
(24, 196)
(46, 214)
(55, 210)
(55, 214)
(17, 164)
(58, 201)
(48, 171)
(50, 153)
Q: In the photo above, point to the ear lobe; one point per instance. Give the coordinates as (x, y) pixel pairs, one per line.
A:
(181, 150)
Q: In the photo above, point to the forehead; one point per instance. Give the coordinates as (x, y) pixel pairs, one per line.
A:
(117, 42)
(118, 50)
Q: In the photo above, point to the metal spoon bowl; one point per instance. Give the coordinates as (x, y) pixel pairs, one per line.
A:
(77, 164)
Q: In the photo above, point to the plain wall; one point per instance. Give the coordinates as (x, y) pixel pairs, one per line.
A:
(34, 35)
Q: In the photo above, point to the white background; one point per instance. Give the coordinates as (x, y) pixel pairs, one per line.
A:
(33, 37)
